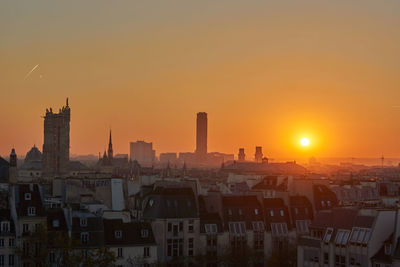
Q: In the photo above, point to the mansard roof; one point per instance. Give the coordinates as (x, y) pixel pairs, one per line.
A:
(164, 202)
(131, 233)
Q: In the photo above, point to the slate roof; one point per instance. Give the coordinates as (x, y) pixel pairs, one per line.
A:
(241, 208)
(276, 205)
(165, 202)
(131, 233)
(4, 167)
(381, 256)
(35, 201)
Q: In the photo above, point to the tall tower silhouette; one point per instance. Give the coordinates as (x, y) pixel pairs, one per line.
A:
(110, 149)
(201, 134)
(56, 142)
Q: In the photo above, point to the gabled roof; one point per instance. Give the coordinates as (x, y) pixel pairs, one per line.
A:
(131, 233)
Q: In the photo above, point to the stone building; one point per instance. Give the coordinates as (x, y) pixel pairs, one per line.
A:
(56, 142)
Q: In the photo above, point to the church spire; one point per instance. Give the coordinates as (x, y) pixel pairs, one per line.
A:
(110, 149)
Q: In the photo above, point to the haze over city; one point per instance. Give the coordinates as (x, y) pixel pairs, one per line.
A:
(267, 73)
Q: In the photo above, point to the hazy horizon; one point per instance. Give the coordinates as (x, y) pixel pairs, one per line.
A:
(266, 72)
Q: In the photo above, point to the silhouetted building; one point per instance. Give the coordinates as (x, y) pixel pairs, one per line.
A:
(241, 155)
(143, 153)
(56, 142)
(201, 134)
(258, 155)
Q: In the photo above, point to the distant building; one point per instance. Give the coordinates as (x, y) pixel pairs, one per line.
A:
(56, 142)
(241, 155)
(168, 158)
(258, 155)
(201, 134)
(143, 153)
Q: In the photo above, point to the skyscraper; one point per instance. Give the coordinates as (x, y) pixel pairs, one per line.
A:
(201, 134)
(56, 142)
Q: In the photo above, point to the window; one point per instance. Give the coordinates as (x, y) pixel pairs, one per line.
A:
(328, 235)
(342, 237)
(240, 212)
(180, 226)
(84, 237)
(118, 234)
(296, 210)
(1, 260)
(169, 227)
(306, 210)
(5, 226)
(282, 213)
(322, 204)
(144, 233)
(28, 196)
(25, 227)
(388, 249)
(52, 257)
(146, 252)
(191, 226)
(328, 203)
(1, 242)
(230, 212)
(360, 235)
(190, 246)
(119, 253)
(37, 226)
(83, 222)
(279, 229)
(56, 223)
(11, 242)
(237, 228)
(256, 211)
(302, 226)
(31, 211)
(11, 260)
(211, 228)
(258, 226)
(271, 213)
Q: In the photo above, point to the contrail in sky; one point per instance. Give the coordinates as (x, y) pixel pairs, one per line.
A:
(32, 70)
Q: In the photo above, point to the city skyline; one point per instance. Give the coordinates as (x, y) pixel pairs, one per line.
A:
(266, 73)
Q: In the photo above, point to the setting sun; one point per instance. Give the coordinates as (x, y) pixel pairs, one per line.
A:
(304, 141)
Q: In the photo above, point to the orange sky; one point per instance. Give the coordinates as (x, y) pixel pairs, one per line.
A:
(267, 73)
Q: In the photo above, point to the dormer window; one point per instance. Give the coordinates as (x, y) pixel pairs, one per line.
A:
(329, 203)
(282, 213)
(271, 213)
(83, 222)
(240, 212)
(31, 211)
(28, 196)
(56, 223)
(230, 212)
(388, 249)
(144, 233)
(256, 211)
(118, 234)
(323, 204)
